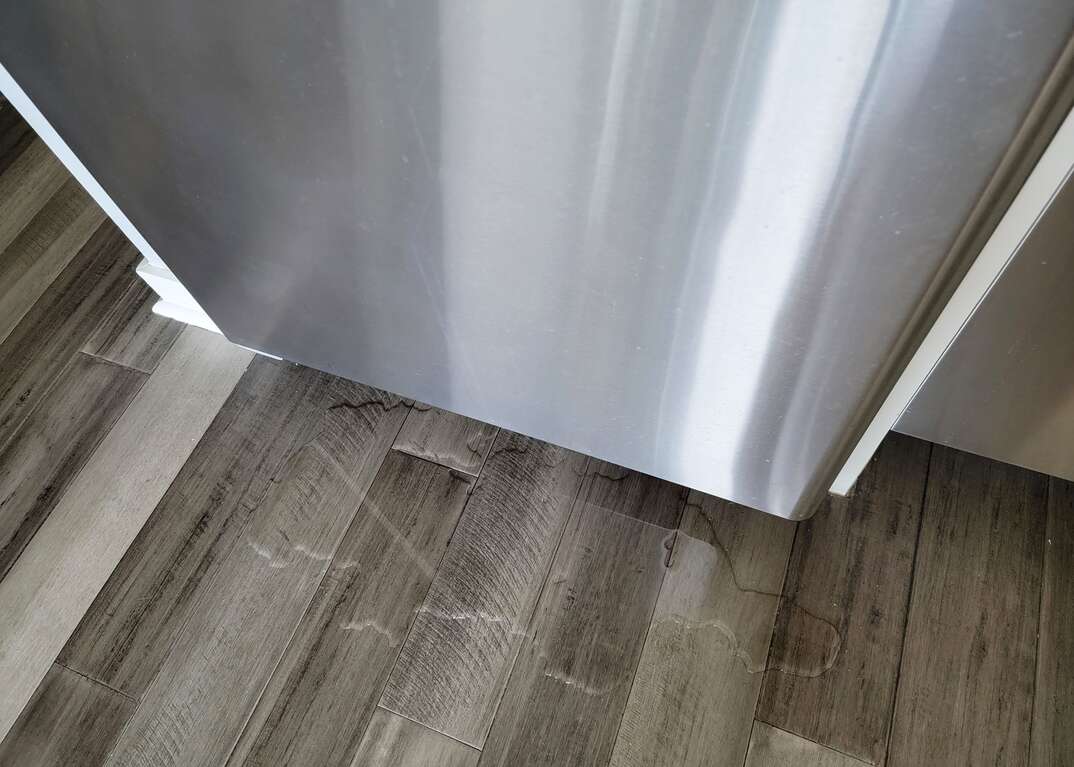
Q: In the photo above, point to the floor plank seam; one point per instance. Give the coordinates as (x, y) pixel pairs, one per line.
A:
(909, 602)
(857, 759)
(97, 681)
(1040, 618)
(424, 726)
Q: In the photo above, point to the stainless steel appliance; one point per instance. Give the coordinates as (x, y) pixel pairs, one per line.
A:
(686, 237)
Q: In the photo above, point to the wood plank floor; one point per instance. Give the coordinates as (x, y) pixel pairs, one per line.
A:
(209, 559)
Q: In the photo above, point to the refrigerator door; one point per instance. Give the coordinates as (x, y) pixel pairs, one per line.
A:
(682, 236)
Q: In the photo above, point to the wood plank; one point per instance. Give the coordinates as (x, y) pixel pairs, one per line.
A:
(566, 695)
(635, 494)
(195, 708)
(446, 438)
(125, 635)
(326, 687)
(59, 323)
(70, 721)
(25, 186)
(392, 741)
(455, 663)
(132, 335)
(838, 638)
(697, 684)
(772, 747)
(43, 250)
(1053, 710)
(15, 135)
(57, 439)
(104, 507)
(965, 691)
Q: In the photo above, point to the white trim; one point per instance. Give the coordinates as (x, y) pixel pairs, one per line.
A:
(1033, 198)
(18, 98)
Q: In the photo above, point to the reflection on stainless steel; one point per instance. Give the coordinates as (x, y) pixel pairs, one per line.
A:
(682, 236)
(1005, 388)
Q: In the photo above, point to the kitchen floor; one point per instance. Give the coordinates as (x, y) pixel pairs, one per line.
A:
(209, 557)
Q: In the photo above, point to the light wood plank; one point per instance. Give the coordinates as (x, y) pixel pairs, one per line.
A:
(771, 747)
(104, 507)
(966, 681)
(325, 689)
(15, 135)
(70, 721)
(132, 335)
(838, 638)
(125, 635)
(59, 323)
(43, 250)
(57, 439)
(195, 708)
(392, 741)
(635, 494)
(25, 186)
(696, 688)
(1053, 711)
(446, 438)
(455, 663)
(566, 695)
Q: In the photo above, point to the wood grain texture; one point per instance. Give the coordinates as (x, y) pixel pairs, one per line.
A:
(771, 747)
(392, 741)
(697, 683)
(51, 447)
(105, 506)
(26, 184)
(1053, 709)
(454, 665)
(570, 683)
(43, 249)
(60, 322)
(15, 135)
(132, 623)
(131, 335)
(965, 690)
(446, 438)
(326, 687)
(838, 638)
(70, 721)
(195, 708)
(634, 494)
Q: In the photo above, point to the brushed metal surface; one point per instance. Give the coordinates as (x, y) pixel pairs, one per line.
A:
(1005, 387)
(681, 236)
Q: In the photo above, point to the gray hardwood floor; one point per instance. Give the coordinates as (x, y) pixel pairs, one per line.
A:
(207, 560)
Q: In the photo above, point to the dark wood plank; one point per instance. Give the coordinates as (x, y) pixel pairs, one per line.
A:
(196, 706)
(125, 635)
(325, 689)
(1053, 710)
(454, 665)
(60, 322)
(635, 494)
(566, 695)
(392, 741)
(446, 438)
(39, 463)
(132, 335)
(965, 690)
(70, 721)
(696, 687)
(838, 638)
(25, 186)
(44, 249)
(771, 747)
(15, 135)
